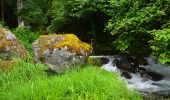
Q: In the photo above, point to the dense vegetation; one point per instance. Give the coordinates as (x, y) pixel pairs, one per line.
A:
(135, 27)
(138, 27)
(28, 81)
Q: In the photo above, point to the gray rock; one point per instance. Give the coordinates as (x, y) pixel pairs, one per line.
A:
(60, 58)
(10, 47)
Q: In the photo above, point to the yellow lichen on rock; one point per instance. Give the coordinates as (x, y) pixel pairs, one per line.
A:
(60, 51)
(64, 41)
(74, 45)
(9, 43)
(6, 65)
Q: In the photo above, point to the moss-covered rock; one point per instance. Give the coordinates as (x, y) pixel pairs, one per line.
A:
(7, 65)
(97, 61)
(94, 61)
(60, 51)
(10, 47)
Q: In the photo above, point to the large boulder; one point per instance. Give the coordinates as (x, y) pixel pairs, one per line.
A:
(10, 47)
(59, 52)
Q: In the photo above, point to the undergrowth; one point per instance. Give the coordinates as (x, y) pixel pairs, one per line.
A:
(29, 81)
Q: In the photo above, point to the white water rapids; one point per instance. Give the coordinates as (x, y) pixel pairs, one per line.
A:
(146, 86)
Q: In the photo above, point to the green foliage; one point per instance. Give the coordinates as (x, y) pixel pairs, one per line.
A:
(26, 37)
(29, 82)
(94, 61)
(2, 23)
(83, 17)
(161, 44)
(63, 10)
(129, 20)
(32, 14)
(125, 25)
(132, 21)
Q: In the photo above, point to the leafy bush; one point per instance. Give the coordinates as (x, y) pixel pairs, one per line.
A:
(160, 45)
(2, 23)
(28, 81)
(26, 36)
(132, 21)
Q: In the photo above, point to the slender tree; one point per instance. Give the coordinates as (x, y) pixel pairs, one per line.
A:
(19, 7)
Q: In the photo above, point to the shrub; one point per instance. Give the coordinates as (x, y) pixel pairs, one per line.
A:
(26, 36)
(2, 24)
(160, 45)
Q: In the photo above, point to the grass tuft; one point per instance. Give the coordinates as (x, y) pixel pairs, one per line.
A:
(29, 81)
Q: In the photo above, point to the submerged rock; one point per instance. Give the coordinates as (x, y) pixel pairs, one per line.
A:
(59, 52)
(10, 47)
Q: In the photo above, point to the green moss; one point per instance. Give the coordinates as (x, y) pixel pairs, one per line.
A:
(94, 61)
(74, 44)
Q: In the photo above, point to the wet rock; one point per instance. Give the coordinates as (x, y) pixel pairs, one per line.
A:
(151, 76)
(60, 52)
(10, 47)
(147, 61)
(159, 70)
(153, 97)
(152, 80)
(126, 63)
(126, 75)
(151, 61)
(164, 90)
(104, 60)
(142, 60)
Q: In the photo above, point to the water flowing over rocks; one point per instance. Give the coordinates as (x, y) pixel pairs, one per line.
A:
(60, 52)
(149, 77)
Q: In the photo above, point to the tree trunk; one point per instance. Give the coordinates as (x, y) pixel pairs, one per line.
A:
(19, 7)
(2, 10)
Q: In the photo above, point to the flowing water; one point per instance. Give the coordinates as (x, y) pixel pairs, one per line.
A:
(144, 85)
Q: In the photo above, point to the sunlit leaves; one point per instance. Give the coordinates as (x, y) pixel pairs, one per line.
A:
(161, 44)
